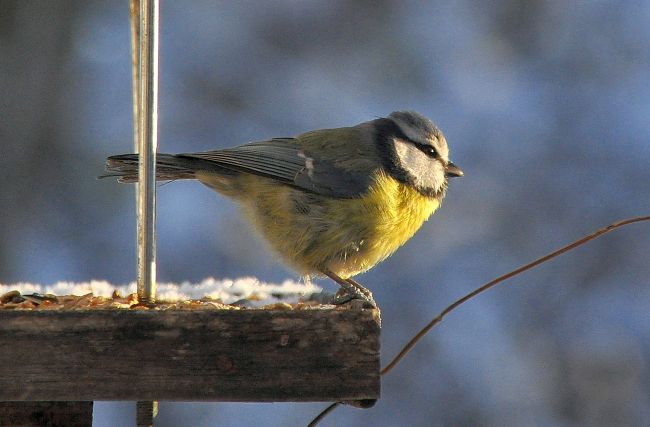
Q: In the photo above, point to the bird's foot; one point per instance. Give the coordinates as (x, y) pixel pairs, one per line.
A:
(351, 290)
(360, 287)
(344, 297)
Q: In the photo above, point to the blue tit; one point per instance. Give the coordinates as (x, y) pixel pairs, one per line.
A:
(330, 202)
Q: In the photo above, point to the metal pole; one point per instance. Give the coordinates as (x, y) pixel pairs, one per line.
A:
(144, 58)
(146, 115)
(146, 412)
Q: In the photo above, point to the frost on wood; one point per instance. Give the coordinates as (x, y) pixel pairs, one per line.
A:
(226, 290)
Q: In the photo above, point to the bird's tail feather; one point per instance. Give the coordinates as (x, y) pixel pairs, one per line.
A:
(169, 167)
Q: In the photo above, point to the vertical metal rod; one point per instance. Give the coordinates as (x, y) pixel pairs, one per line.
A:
(144, 59)
(146, 115)
(146, 412)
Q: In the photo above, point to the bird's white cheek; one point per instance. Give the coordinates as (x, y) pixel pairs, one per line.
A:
(427, 172)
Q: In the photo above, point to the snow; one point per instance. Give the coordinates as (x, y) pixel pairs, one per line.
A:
(227, 290)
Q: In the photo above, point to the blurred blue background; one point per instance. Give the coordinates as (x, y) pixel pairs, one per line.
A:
(546, 107)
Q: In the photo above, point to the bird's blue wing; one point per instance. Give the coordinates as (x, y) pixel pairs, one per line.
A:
(287, 161)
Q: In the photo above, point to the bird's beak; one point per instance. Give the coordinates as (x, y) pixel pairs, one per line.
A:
(452, 171)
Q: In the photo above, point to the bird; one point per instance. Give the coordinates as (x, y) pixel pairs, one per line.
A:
(330, 202)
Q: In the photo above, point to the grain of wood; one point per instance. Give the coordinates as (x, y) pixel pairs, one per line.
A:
(213, 355)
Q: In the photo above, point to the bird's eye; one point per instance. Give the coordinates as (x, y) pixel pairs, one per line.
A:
(427, 149)
(430, 151)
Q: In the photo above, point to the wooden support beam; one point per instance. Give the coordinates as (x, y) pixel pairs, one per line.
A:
(179, 355)
(53, 414)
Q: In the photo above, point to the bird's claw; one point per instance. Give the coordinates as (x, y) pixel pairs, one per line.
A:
(345, 297)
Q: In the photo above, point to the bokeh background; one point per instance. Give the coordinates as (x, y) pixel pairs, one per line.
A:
(545, 104)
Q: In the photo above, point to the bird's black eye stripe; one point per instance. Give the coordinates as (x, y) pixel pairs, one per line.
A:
(428, 150)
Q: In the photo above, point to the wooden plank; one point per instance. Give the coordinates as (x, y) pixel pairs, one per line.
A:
(53, 414)
(178, 355)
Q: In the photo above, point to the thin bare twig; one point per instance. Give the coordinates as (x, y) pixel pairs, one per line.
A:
(407, 348)
(323, 414)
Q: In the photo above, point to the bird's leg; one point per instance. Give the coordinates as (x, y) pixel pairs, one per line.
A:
(353, 290)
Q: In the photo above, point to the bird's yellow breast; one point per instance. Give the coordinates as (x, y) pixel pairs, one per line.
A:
(389, 215)
(346, 236)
